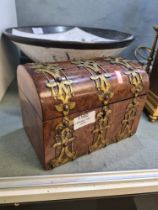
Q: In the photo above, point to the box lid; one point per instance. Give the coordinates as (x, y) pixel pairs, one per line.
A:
(60, 89)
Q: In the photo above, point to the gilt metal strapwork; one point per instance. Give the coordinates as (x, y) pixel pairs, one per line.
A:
(136, 82)
(61, 86)
(61, 89)
(105, 94)
(120, 61)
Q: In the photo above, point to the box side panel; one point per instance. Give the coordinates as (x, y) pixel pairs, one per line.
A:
(26, 84)
(32, 125)
(83, 137)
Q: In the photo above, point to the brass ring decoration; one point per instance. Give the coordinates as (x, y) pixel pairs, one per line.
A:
(139, 55)
(152, 52)
(61, 90)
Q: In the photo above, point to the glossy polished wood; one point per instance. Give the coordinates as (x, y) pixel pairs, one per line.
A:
(38, 106)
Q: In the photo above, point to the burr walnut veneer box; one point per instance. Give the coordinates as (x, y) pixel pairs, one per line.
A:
(73, 108)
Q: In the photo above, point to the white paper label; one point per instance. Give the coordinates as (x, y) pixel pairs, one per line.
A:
(37, 30)
(84, 120)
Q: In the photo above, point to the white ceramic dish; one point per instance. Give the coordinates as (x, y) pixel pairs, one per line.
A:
(59, 43)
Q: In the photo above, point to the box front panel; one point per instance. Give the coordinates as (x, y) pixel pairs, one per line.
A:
(62, 145)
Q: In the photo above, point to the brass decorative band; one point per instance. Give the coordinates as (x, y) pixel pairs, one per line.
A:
(135, 79)
(105, 94)
(61, 90)
(119, 61)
